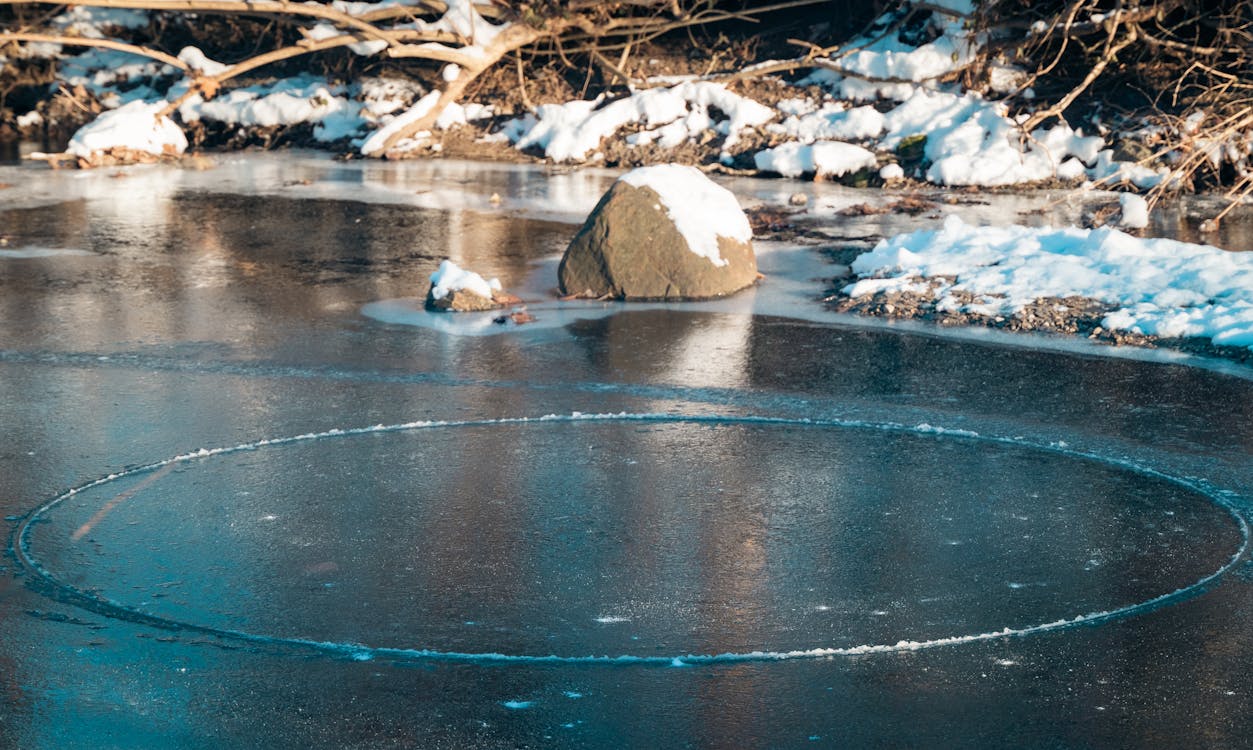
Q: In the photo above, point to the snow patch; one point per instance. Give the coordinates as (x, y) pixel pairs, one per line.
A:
(1135, 211)
(198, 61)
(570, 131)
(1160, 287)
(285, 102)
(824, 158)
(137, 126)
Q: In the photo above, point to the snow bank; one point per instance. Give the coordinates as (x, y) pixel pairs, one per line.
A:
(1160, 287)
(971, 141)
(824, 158)
(890, 58)
(701, 209)
(134, 127)
(832, 122)
(379, 137)
(453, 114)
(285, 102)
(105, 73)
(571, 131)
(452, 278)
(93, 22)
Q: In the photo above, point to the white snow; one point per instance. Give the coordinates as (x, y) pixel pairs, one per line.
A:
(824, 158)
(890, 58)
(1110, 172)
(453, 114)
(30, 119)
(135, 126)
(288, 101)
(327, 30)
(891, 172)
(971, 141)
(383, 96)
(104, 72)
(200, 62)
(452, 278)
(376, 139)
(1135, 211)
(571, 131)
(701, 209)
(831, 121)
(92, 22)
(1159, 287)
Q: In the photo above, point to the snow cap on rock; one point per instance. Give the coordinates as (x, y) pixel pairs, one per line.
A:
(701, 209)
(662, 232)
(453, 278)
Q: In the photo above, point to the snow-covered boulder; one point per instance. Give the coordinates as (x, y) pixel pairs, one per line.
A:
(454, 289)
(661, 232)
(135, 132)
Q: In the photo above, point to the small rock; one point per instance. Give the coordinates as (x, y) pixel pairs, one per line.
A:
(459, 300)
(454, 289)
(1208, 226)
(798, 199)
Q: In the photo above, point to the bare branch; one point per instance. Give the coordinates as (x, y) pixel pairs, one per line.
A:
(78, 41)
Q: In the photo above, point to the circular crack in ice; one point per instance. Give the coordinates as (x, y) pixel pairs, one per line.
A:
(360, 652)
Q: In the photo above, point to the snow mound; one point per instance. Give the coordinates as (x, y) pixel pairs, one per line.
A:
(1159, 287)
(287, 101)
(138, 128)
(824, 158)
(452, 278)
(701, 209)
(571, 131)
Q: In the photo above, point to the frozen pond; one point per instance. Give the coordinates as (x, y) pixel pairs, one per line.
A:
(257, 497)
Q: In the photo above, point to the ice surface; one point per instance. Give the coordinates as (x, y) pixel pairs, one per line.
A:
(702, 210)
(34, 251)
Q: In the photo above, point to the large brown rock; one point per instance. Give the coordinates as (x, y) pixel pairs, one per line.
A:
(630, 248)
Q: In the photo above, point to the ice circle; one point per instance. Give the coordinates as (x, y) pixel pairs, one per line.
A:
(631, 538)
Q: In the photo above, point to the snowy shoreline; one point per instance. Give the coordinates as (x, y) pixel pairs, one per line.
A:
(879, 114)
